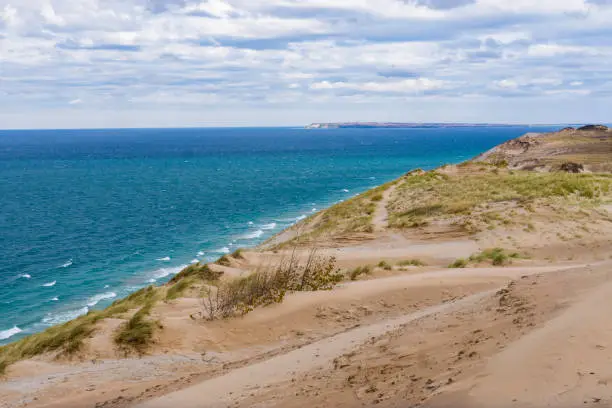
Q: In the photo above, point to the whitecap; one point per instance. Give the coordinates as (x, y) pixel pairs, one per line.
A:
(106, 286)
(63, 317)
(5, 334)
(201, 253)
(94, 300)
(253, 235)
(164, 259)
(314, 210)
(224, 250)
(152, 280)
(163, 272)
(372, 178)
(66, 264)
(25, 276)
(48, 285)
(300, 218)
(194, 261)
(345, 190)
(55, 299)
(269, 226)
(250, 222)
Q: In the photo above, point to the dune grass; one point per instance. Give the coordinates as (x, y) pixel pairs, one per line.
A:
(497, 257)
(360, 270)
(411, 262)
(67, 339)
(269, 285)
(354, 215)
(434, 195)
(137, 333)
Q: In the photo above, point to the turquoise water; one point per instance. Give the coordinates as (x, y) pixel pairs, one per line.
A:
(89, 216)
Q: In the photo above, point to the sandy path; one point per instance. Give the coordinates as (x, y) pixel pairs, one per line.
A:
(380, 220)
(217, 392)
(566, 363)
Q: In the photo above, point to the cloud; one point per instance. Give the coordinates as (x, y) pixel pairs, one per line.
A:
(188, 62)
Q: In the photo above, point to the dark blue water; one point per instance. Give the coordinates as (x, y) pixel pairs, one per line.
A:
(91, 215)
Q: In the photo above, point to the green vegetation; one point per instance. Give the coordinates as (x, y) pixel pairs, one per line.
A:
(360, 270)
(269, 285)
(434, 195)
(224, 261)
(459, 263)
(385, 265)
(411, 262)
(137, 333)
(67, 339)
(350, 216)
(497, 256)
(200, 271)
(237, 254)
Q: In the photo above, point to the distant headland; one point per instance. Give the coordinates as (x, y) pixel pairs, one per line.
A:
(338, 125)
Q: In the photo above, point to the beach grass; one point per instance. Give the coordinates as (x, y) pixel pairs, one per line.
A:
(68, 338)
(354, 215)
(421, 198)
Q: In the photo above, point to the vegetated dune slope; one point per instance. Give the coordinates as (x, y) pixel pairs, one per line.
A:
(484, 284)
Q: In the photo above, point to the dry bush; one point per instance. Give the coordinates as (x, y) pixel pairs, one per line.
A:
(269, 285)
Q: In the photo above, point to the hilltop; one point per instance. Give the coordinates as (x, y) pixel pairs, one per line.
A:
(462, 285)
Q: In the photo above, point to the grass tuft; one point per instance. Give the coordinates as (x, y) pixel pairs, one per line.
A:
(412, 262)
(360, 270)
(459, 263)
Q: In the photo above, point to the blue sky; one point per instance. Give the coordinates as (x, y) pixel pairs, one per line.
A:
(149, 63)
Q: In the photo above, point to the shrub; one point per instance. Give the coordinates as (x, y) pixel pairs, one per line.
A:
(267, 286)
(377, 197)
(360, 270)
(385, 265)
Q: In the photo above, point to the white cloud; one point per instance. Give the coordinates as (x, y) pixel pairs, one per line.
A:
(311, 57)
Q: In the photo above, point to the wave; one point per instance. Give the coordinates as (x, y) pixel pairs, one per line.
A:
(6, 334)
(63, 317)
(164, 259)
(106, 286)
(94, 300)
(163, 272)
(269, 226)
(224, 250)
(194, 261)
(253, 235)
(314, 210)
(300, 218)
(55, 299)
(48, 285)
(345, 190)
(250, 222)
(66, 264)
(25, 276)
(201, 253)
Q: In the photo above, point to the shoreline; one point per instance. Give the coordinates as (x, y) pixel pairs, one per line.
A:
(158, 277)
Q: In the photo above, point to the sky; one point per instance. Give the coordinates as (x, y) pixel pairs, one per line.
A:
(166, 63)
